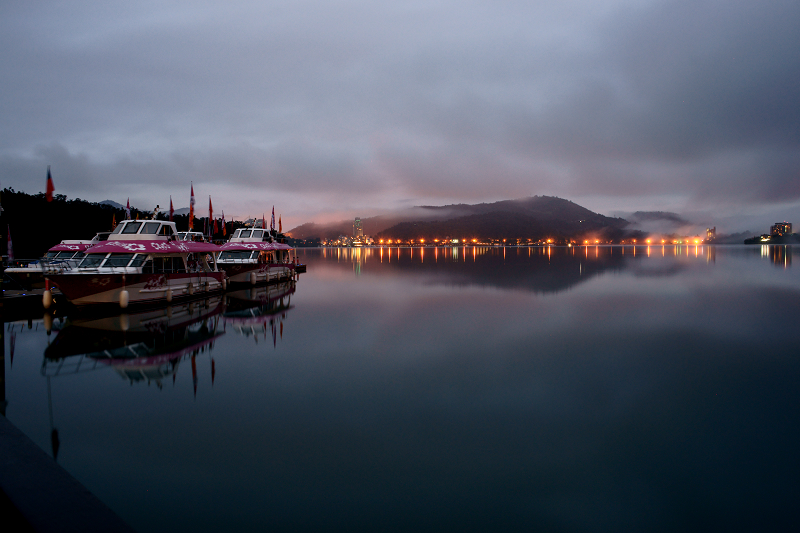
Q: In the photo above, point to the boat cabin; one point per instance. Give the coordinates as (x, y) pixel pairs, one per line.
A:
(143, 230)
(250, 235)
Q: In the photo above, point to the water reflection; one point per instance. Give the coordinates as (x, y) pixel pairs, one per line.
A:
(259, 310)
(658, 394)
(142, 347)
(542, 269)
(779, 254)
(148, 346)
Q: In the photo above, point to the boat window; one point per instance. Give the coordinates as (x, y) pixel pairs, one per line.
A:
(92, 260)
(258, 233)
(64, 255)
(51, 254)
(138, 260)
(168, 264)
(118, 260)
(118, 229)
(245, 233)
(131, 227)
(151, 228)
(166, 229)
(78, 255)
(234, 256)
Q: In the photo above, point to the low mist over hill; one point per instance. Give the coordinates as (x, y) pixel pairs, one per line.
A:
(535, 217)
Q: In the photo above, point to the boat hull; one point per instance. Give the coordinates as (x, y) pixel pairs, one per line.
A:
(255, 273)
(100, 288)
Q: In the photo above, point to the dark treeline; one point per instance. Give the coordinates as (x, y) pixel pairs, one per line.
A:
(37, 225)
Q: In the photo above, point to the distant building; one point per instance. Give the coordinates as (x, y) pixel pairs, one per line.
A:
(711, 233)
(358, 230)
(780, 229)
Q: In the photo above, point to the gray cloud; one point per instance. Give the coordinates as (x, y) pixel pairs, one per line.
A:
(331, 108)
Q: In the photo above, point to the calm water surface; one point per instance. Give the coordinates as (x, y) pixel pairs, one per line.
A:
(561, 389)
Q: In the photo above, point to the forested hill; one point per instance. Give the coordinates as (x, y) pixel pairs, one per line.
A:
(37, 225)
(532, 217)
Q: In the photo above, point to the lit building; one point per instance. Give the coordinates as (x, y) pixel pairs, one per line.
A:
(781, 228)
(358, 231)
(711, 233)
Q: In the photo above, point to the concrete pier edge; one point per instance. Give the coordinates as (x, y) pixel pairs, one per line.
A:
(45, 494)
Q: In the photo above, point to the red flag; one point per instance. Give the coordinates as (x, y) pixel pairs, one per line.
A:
(272, 222)
(171, 209)
(280, 226)
(128, 210)
(263, 221)
(49, 191)
(210, 215)
(216, 228)
(224, 232)
(10, 248)
(191, 210)
(113, 221)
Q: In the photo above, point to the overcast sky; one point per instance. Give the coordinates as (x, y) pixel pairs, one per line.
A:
(331, 109)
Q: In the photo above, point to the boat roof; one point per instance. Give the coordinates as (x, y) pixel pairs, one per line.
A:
(267, 246)
(74, 246)
(154, 247)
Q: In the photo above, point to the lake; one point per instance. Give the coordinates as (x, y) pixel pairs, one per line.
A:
(463, 389)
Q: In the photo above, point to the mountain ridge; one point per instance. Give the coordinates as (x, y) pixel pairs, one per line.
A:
(533, 217)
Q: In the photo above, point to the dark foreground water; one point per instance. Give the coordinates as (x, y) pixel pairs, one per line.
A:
(460, 389)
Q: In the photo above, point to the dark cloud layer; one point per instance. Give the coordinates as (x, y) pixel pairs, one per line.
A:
(335, 108)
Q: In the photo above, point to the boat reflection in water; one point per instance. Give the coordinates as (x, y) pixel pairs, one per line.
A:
(146, 346)
(259, 310)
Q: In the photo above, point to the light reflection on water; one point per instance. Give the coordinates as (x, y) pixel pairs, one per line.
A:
(571, 389)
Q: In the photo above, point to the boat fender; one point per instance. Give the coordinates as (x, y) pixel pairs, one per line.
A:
(124, 322)
(47, 298)
(252, 278)
(168, 296)
(123, 298)
(48, 322)
(224, 284)
(190, 289)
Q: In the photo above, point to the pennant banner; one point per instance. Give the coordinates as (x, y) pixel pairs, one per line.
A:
(50, 189)
(10, 247)
(191, 210)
